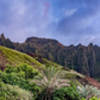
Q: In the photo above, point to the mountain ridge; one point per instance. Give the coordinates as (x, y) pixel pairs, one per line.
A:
(84, 59)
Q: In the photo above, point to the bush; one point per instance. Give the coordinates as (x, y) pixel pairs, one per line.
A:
(9, 92)
(10, 69)
(15, 79)
(67, 93)
(26, 70)
(20, 76)
(89, 92)
(29, 71)
(94, 98)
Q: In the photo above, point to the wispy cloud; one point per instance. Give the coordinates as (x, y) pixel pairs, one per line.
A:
(69, 12)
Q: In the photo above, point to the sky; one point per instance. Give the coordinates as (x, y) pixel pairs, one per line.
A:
(68, 21)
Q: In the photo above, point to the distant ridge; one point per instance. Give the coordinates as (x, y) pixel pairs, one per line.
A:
(84, 59)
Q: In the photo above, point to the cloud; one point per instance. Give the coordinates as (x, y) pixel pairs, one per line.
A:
(70, 12)
(20, 19)
(69, 21)
(80, 25)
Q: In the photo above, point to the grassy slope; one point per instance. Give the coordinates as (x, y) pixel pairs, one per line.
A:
(14, 57)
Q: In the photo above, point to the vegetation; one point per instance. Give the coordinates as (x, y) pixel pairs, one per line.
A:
(67, 93)
(24, 82)
(11, 92)
(51, 80)
(84, 59)
(25, 78)
(13, 57)
(89, 92)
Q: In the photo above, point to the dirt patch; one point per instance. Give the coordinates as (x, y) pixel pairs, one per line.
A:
(93, 82)
(3, 61)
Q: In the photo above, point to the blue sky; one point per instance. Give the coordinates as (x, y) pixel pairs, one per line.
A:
(69, 21)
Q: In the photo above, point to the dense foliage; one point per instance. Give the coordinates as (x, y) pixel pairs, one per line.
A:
(12, 92)
(20, 76)
(67, 93)
(24, 82)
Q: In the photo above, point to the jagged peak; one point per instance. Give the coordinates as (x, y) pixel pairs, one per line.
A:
(2, 36)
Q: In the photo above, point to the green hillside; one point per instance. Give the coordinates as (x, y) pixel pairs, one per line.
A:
(22, 79)
(13, 57)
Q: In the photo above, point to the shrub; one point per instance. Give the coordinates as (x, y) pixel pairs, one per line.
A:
(66, 93)
(89, 92)
(10, 69)
(9, 92)
(94, 98)
(27, 71)
(15, 79)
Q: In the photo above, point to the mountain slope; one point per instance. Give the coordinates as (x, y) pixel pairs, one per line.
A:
(13, 57)
(84, 59)
(80, 58)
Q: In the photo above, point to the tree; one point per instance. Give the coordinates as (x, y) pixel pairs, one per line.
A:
(50, 80)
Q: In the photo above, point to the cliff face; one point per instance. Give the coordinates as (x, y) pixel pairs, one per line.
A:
(84, 59)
